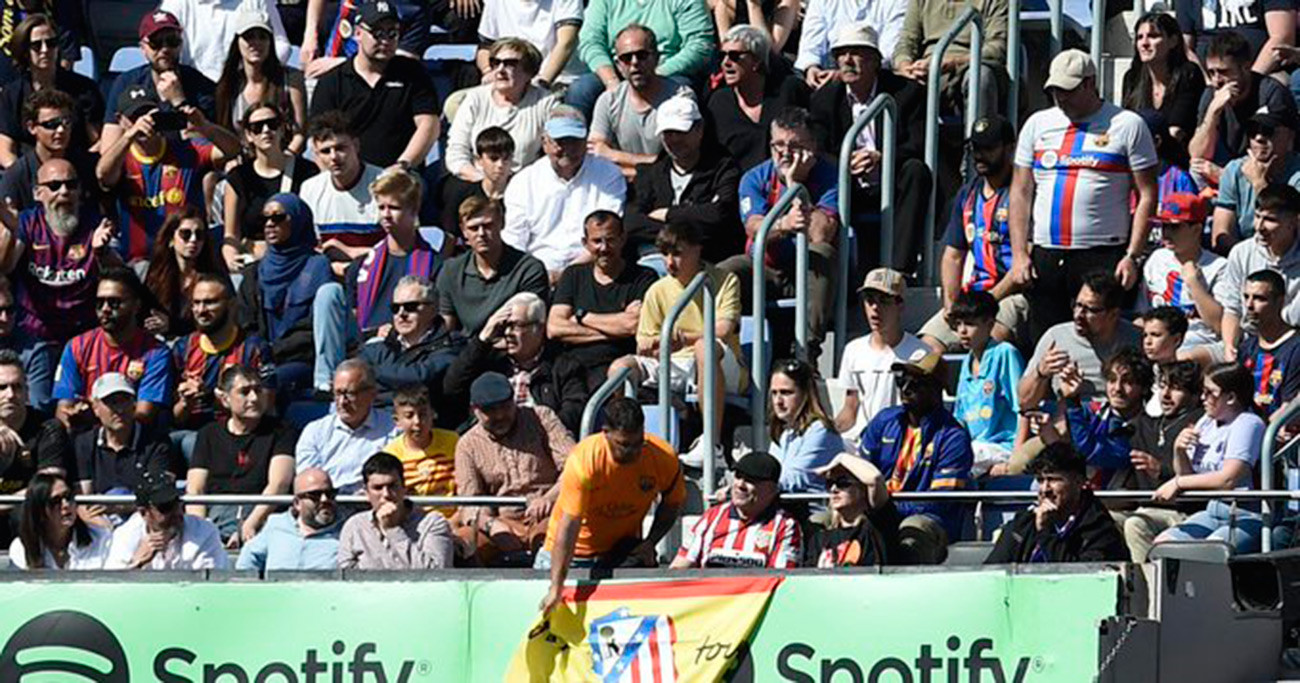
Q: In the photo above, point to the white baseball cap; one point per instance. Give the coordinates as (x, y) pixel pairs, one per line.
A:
(680, 113)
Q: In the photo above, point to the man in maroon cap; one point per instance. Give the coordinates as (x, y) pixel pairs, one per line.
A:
(1182, 274)
(173, 83)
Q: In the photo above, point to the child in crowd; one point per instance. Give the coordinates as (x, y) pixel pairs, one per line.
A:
(987, 401)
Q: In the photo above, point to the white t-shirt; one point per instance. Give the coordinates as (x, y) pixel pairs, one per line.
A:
(1162, 285)
(1241, 439)
(1082, 175)
(536, 23)
(340, 213)
(199, 548)
(544, 213)
(87, 557)
(209, 29)
(866, 370)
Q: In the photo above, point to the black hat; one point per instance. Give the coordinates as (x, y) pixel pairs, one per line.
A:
(490, 389)
(1266, 121)
(991, 131)
(758, 466)
(135, 100)
(156, 489)
(372, 13)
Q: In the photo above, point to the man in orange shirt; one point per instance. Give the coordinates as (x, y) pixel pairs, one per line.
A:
(608, 484)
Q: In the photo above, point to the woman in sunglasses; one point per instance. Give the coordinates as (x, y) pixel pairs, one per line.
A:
(51, 535)
(863, 527)
(253, 75)
(183, 250)
(269, 168)
(802, 437)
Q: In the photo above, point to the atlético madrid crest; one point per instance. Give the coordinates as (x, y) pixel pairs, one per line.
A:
(625, 647)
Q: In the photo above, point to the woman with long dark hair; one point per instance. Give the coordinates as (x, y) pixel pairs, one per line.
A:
(268, 169)
(253, 74)
(183, 250)
(51, 535)
(1161, 77)
(802, 436)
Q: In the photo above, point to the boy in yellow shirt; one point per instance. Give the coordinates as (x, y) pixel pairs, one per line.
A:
(428, 455)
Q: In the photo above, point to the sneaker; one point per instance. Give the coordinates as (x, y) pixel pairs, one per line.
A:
(695, 456)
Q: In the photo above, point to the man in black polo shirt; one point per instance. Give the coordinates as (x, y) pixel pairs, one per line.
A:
(115, 455)
(472, 286)
(389, 97)
(30, 442)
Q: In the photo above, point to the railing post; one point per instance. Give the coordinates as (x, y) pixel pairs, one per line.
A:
(758, 373)
(706, 391)
(1013, 63)
(972, 17)
(1275, 425)
(884, 105)
(1098, 36)
(1056, 22)
(597, 400)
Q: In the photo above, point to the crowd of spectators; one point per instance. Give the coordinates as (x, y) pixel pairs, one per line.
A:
(226, 272)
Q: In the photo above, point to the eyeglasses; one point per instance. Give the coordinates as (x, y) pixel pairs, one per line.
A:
(783, 147)
(520, 325)
(56, 185)
(735, 55)
(508, 62)
(257, 127)
(113, 302)
(842, 483)
(8, 310)
(189, 235)
(318, 494)
(56, 123)
(43, 44)
(164, 41)
(383, 33)
(277, 217)
(638, 55)
(406, 307)
(59, 500)
(1090, 310)
(351, 394)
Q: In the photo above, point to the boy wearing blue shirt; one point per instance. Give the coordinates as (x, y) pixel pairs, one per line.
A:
(987, 402)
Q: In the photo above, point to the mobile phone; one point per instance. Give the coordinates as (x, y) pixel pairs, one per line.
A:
(171, 120)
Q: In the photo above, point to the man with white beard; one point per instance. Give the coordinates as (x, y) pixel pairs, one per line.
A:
(54, 252)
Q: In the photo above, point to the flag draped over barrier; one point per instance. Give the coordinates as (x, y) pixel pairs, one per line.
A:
(644, 631)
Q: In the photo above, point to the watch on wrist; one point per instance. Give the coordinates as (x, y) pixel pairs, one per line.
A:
(579, 314)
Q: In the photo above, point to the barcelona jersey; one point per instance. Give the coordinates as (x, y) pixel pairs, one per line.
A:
(55, 278)
(196, 357)
(153, 187)
(979, 225)
(90, 355)
(1276, 370)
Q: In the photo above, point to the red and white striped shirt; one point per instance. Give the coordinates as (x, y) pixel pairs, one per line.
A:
(722, 539)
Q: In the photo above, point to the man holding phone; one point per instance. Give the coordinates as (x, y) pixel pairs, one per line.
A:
(153, 174)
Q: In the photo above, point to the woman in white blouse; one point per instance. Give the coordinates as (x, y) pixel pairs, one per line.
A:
(51, 535)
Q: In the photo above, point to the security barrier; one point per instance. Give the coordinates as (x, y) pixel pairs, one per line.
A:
(447, 627)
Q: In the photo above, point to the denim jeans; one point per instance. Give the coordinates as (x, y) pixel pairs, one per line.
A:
(333, 327)
(542, 561)
(1215, 523)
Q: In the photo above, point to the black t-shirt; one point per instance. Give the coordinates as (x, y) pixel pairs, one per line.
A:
(578, 288)
(1207, 18)
(241, 464)
(107, 470)
(1264, 93)
(254, 190)
(383, 115)
(45, 444)
(744, 140)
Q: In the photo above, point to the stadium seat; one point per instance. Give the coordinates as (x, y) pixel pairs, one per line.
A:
(450, 53)
(968, 553)
(665, 426)
(434, 235)
(299, 413)
(1213, 552)
(85, 64)
(125, 59)
(654, 261)
(295, 57)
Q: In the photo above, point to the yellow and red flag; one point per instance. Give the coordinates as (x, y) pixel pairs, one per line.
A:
(644, 631)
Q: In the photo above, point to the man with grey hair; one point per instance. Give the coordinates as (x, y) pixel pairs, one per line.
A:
(513, 342)
(623, 123)
(417, 348)
(548, 200)
(340, 442)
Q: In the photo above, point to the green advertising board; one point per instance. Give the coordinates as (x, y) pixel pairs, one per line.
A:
(916, 627)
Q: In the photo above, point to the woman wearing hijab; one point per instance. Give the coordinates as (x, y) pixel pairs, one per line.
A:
(275, 298)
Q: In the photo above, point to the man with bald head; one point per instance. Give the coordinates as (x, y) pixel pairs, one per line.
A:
(306, 537)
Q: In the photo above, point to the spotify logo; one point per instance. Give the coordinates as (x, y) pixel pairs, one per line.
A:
(64, 646)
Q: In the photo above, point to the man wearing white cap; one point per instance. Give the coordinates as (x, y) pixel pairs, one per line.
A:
(1076, 167)
(623, 122)
(210, 26)
(118, 453)
(687, 183)
(819, 24)
(547, 202)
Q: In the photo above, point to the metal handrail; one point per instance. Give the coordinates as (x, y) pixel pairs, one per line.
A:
(758, 369)
(972, 17)
(1266, 467)
(597, 400)
(710, 435)
(1013, 63)
(1098, 35)
(285, 499)
(885, 105)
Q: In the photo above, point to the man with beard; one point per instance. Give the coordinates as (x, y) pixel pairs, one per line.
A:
(201, 358)
(688, 183)
(918, 446)
(978, 229)
(1270, 158)
(49, 117)
(119, 345)
(161, 536)
(1274, 246)
(623, 122)
(1271, 349)
(305, 537)
(30, 442)
(511, 451)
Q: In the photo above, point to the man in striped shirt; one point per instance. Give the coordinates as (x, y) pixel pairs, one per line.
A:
(751, 530)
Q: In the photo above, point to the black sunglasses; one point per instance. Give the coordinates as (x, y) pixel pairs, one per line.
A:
(166, 40)
(43, 44)
(406, 307)
(56, 123)
(383, 33)
(318, 494)
(56, 501)
(735, 55)
(56, 185)
(842, 483)
(277, 217)
(188, 235)
(113, 302)
(270, 124)
(512, 62)
(640, 55)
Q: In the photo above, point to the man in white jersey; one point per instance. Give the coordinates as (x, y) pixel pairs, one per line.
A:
(1076, 165)
(1182, 274)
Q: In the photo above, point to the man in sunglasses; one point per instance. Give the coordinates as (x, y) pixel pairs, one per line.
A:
(416, 348)
(918, 446)
(388, 97)
(49, 117)
(210, 27)
(161, 536)
(303, 538)
(750, 530)
(623, 123)
(161, 40)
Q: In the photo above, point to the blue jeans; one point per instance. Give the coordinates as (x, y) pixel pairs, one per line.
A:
(542, 561)
(1215, 523)
(333, 327)
(184, 440)
(39, 361)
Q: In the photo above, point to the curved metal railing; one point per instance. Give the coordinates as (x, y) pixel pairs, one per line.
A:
(597, 400)
(709, 307)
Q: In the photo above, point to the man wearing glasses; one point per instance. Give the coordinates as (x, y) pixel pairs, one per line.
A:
(50, 118)
(417, 348)
(340, 442)
(389, 97)
(161, 536)
(118, 345)
(305, 537)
